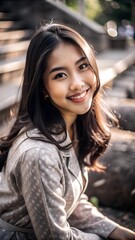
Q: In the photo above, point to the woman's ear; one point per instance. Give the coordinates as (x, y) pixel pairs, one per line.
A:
(45, 94)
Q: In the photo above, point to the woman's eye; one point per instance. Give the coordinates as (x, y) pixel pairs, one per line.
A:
(60, 75)
(83, 66)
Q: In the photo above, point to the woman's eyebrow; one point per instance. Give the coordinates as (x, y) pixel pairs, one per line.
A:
(81, 59)
(55, 69)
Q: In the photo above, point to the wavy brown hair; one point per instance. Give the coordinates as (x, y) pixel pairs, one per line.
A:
(34, 112)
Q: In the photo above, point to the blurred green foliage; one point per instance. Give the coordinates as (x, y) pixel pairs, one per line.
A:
(72, 4)
(95, 201)
(93, 9)
(117, 11)
(105, 10)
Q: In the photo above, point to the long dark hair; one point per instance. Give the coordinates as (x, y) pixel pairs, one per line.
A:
(36, 112)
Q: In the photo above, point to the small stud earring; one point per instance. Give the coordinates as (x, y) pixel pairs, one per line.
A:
(46, 96)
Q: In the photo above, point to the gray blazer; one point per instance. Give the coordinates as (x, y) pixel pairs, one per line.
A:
(43, 187)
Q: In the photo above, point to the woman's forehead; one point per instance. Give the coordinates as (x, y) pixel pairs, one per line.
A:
(65, 52)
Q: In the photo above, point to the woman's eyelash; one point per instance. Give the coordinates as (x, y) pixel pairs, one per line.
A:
(84, 65)
(59, 75)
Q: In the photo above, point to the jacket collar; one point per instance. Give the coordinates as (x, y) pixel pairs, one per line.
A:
(70, 157)
(72, 163)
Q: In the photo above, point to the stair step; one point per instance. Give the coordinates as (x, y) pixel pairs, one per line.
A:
(13, 49)
(13, 36)
(117, 93)
(6, 15)
(2, 15)
(6, 24)
(12, 76)
(11, 25)
(6, 125)
(9, 95)
(12, 64)
(11, 69)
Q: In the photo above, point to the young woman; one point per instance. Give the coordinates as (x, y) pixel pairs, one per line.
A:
(60, 130)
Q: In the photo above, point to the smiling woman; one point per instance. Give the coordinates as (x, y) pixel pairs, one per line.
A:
(61, 129)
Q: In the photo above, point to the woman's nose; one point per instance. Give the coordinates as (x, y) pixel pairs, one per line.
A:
(76, 83)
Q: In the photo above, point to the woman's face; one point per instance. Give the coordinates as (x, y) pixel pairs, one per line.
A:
(69, 81)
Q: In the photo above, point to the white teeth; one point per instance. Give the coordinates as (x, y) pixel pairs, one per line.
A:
(79, 96)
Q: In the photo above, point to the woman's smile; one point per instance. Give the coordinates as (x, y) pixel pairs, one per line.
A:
(78, 97)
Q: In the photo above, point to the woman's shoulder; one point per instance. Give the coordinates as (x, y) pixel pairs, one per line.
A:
(33, 145)
(29, 148)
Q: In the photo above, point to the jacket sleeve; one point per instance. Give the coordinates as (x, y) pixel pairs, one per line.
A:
(87, 218)
(41, 187)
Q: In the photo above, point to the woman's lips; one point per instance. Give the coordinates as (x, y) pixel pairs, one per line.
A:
(78, 97)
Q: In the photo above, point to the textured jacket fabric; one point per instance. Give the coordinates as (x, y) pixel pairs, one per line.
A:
(43, 187)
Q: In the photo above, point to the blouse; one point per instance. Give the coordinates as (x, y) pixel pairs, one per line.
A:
(43, 187)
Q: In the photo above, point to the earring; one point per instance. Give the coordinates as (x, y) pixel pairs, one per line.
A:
(46, 96)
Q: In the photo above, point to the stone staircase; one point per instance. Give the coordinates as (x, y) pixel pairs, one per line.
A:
(14, 40)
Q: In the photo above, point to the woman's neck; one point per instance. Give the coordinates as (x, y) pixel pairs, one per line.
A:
(70, 125)
(71, 133)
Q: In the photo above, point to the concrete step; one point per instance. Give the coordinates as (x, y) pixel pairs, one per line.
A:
(114, 62)
(5, 25)
(8, 15)
(13, 49)
(124, 85)
(14, 36)
(5, 126)
(9, 95)
(11, 69)
(11, 25)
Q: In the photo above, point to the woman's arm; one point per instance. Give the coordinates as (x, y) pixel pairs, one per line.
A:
(122, 233)
(87, 218)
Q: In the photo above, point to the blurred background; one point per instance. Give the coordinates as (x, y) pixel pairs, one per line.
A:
(110, 27)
